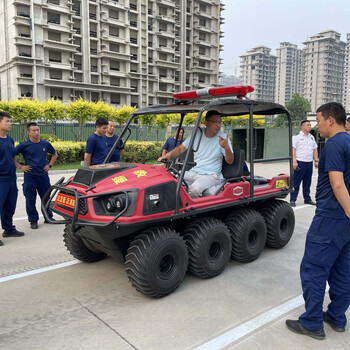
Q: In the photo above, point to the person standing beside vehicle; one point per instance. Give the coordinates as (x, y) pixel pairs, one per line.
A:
(304, 151)
(36, 177)
(111, 137)
(96, 146)
(327, 247)
(213, 147)
(170, 143)
(8, 181)
(347, 125)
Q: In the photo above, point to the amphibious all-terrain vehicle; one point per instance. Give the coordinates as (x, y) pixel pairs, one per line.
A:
(142, 214)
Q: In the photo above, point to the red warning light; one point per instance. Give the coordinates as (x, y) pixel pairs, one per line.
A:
(238, 90)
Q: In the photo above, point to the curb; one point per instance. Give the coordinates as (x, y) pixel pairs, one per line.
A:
(53, 172)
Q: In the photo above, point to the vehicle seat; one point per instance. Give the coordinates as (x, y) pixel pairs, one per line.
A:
(230, 172)
(181, 158)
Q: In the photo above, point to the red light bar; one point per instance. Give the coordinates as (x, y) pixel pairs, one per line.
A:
(238, 90)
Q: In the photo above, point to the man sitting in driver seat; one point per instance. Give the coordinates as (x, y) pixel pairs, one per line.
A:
(214, 145)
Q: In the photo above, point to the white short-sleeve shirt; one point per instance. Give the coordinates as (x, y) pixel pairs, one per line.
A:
(304, 146)
(209, 155)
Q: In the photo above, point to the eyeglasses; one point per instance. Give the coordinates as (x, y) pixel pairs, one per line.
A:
(214, 122)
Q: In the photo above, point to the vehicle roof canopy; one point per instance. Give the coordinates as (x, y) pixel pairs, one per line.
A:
(225, 106)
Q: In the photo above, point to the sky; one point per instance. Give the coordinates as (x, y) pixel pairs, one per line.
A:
(270, 22)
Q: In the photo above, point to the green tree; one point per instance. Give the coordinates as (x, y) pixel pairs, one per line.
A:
(122, 115)
(298, 108)
(162, 122)
(80, 111)
(53, 111)
(101, 109)
(147, 120)
(4, 106)
(24, 111)
(191, 118)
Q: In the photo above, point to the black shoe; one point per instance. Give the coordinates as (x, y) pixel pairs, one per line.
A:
(292, 204)
(33, 225)
(311, 202)
(1, 242)
(47, 222)
(296, 327)
(335, 328)
(14, 233)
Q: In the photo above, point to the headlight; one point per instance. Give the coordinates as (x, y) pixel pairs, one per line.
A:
(110, 204)
(120, 202)
(117, 203)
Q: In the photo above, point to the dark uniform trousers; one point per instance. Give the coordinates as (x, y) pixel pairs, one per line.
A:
(303, 175)
(31, 185)
(8, 200)
(326, 258)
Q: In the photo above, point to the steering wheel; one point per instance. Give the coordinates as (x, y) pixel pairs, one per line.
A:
(170, 168)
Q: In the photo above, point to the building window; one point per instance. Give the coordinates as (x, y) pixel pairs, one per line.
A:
(114, 81)
(114, 65)
(114, 47)
(113, 14)
(53, 36)
(56, 93)
(113, 31)
(53, 17)
(202, 22)
(55, 56)
(202, 36)
(55, 74)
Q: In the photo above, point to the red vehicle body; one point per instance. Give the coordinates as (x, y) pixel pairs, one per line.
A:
(142, 214)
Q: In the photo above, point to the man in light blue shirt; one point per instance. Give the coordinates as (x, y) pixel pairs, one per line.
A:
(213, 146)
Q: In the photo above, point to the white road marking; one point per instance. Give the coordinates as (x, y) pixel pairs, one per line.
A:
(37, 271)
(25, 218)
(244, 329)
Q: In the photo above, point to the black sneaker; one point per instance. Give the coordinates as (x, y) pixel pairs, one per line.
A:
(296, 327)
(14, 233)
(335, 328)
(292, 204)
(33, 225)
(1, 242)
(311, 202)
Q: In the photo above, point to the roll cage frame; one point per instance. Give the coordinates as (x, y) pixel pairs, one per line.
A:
(227, 106)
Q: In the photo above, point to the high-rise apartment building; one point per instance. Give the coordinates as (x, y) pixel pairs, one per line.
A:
(134, 52)
(258, 69)
(289, 72)
(346, 90)
(324, 68)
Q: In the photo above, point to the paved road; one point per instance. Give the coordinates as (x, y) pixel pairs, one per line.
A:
(93, 306)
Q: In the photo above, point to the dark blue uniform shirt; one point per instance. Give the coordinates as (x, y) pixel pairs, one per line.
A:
(7, 164)
(170, 144)
(97, 147)
(333, 158)
(34, 154)
(110, 142)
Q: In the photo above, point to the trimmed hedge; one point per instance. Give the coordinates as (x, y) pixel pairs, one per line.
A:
(134, 152)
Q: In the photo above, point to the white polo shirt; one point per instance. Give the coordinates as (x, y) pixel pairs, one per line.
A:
(304, 147)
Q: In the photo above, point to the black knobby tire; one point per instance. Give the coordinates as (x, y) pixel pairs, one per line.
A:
(280, 222)
(248, 232)
(209, 247)
(156, 261)
(78, 249)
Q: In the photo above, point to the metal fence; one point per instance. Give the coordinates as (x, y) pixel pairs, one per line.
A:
(69, 132)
